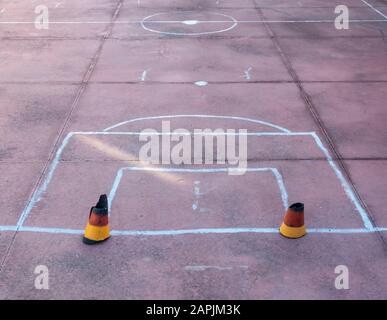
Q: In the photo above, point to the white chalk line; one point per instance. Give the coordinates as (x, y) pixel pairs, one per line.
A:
(189, 231)
(347, 188)
(187, 133)
(374, 9)
(38, 192)
(274, 171)
(344, 183)
(201, 21)
(265, 123)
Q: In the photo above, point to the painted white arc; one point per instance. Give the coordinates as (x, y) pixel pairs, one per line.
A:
(199, 116)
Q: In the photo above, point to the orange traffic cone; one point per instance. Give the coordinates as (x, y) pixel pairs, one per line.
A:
(97, 229)
(293, 225)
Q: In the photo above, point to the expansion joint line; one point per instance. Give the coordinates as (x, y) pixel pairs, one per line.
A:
(315, 115)
(74, 105)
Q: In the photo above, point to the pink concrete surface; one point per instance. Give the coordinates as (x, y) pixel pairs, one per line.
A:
(62, 13)
(243, 267)
(30, 119)
(323, 29)
(88, 4)
(18, 179)
(375, 170)
(278, 103)
(187, 60)
(163, 201)
(43, 60)
(367, 101)
(337, 59)
(70, 78)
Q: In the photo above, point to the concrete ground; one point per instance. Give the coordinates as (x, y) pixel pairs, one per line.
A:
(73, 96)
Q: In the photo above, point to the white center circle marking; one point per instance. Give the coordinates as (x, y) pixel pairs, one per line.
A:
(147, 23)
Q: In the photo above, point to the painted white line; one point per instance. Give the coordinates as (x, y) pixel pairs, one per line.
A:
(114, 188)
(197, 194)
(198, 116)
(347, 188)
(200, 22)
(281, 185)
(188, 133)
(373, 8)
(197, 191)
(380, 229)
(276, 173)
(190, 231)
(50, 230)
(39, 191)
(8, 228)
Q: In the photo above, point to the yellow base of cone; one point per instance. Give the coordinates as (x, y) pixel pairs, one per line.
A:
(292, 232)
(96, 233)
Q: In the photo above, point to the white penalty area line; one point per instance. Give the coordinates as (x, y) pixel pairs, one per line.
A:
(202, 21)
(345, 185)
(187, 231)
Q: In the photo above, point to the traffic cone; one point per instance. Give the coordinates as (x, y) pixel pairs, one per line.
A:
(293, 224)
(97, 229)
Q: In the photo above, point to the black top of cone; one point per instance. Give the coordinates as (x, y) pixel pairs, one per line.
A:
(102, 205)
(297, 207)
(102, 202)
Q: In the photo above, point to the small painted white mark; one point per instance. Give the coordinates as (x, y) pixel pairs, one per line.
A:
(197, 189)
(144, 74)
(247, 74)
(198, 194)
(201, 83)
(190, 22)
(58, 4)
(2, 10)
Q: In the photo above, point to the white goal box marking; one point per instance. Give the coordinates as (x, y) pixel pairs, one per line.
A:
(43, 191)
